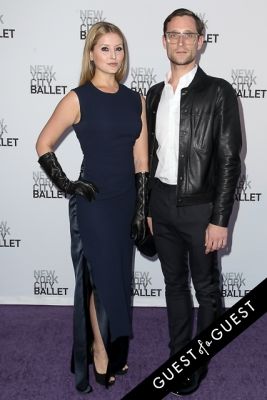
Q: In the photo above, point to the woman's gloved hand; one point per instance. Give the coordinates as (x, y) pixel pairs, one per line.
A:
(52, 168)
(139, 224)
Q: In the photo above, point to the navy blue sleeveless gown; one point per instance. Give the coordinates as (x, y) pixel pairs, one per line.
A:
(101, 245)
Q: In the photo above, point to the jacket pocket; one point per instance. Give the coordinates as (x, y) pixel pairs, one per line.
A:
(201, 125)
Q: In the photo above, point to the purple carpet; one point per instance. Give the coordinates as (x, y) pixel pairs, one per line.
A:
(35, 345)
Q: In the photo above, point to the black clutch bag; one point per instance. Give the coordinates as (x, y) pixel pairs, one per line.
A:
(147, 245)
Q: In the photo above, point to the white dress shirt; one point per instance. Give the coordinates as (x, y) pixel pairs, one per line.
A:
(168, 127)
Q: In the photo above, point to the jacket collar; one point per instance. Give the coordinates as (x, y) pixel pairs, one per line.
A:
(199, 80)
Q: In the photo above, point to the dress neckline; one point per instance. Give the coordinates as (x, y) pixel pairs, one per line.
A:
(102, 91)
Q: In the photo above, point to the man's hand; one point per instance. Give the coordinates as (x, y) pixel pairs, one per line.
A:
(216, 238)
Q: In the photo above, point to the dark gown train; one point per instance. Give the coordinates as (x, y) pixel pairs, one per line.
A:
(101, 245)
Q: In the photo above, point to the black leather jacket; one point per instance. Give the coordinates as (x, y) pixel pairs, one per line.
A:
(209, 143)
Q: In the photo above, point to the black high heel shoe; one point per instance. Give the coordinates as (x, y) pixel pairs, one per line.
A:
(103, 379)
(122, 371)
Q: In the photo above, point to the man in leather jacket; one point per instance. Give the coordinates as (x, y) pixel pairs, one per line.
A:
(195, 141)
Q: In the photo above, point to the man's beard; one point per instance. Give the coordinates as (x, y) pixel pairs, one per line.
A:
(186, 61)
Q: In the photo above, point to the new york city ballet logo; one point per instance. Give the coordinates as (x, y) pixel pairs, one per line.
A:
(244, 81)
(6, 238)
(44, 80)
(6, 33)
(142, 285)
(234, 284)
(209, 37)
(5, 140)
(47, 283)
(88, 18)
(244, 190)
(142, 78)
(43, 187)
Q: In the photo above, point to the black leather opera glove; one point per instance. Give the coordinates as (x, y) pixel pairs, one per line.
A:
(139, 224)
(52, 168)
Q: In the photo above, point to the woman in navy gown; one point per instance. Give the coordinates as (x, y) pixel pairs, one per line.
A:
(107, 204)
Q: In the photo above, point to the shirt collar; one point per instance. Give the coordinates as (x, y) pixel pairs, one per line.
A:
(185, 80)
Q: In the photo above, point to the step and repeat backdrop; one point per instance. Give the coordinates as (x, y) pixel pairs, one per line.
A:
(41, 46)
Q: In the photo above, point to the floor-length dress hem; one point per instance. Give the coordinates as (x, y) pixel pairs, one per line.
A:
(82, 330)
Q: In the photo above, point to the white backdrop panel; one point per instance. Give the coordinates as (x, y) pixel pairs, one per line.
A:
(45, 40)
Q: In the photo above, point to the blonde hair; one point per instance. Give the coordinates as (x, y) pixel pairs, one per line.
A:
(94, 34)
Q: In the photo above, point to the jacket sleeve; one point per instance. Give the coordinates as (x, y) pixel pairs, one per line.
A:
(228, 142)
